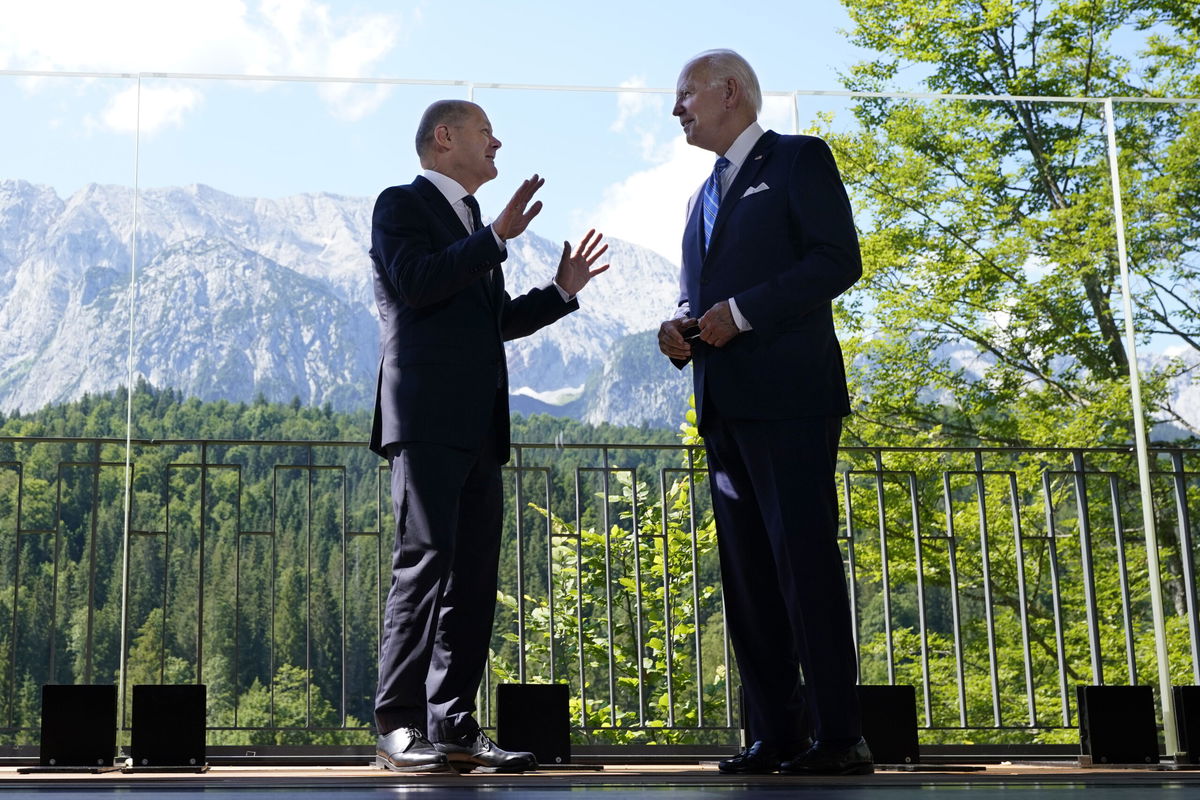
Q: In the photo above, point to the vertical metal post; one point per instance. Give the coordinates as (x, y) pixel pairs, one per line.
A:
(519, 532)
(1087, 566)
(128, 500)
(1056, 599)
(985, 560)
(1186, 558)
(94, 532)
(885, 579)
(955, 611)
(1170, 736)
(922, 617)
(583, 700)
(203, 532)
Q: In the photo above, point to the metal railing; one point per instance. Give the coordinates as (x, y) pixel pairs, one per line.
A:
(991, 579)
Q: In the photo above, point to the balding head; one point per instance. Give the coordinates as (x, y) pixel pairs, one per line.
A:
(451, 113)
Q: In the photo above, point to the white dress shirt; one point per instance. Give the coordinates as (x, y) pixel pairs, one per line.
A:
(454, 193)
(736, 155)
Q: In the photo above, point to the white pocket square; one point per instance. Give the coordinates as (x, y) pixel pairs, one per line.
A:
(762, 187)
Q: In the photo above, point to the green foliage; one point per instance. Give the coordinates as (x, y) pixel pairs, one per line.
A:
(989, 314)
(256, 567)
(630, 615)
(989, 309)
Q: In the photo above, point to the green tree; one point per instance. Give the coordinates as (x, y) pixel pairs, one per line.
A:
(989, 314)
(989, 307)
(631, 615)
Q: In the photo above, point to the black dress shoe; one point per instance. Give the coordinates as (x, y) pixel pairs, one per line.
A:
(759, 758)
(821, 760)
(407, 750)
(476, 751)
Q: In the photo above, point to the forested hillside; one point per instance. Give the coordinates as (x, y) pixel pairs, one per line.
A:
(260, 535)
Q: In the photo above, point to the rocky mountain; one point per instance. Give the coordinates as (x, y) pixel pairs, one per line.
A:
(231, 297)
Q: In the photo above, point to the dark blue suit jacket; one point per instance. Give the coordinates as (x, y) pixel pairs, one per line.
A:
(783, 252)
(444, 317)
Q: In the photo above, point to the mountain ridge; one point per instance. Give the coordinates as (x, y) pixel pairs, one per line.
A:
(236, 297)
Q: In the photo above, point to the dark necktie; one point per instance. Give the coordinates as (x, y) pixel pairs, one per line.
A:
(711, 198)
(476, 223)
(473, 206)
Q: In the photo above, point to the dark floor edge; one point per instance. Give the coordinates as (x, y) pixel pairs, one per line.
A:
(546, 780)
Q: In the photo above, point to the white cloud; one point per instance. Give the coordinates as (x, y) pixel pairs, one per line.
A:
(648, 207)
(160, 107)
(275, 37)
(635, 104)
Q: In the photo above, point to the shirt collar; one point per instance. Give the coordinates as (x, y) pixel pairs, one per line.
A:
(743, 144)
(451, 189)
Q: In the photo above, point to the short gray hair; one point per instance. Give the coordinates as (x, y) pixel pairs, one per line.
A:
(721, 65)
(443, 112)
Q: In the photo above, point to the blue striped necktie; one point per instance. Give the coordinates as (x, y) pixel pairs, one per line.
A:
(712, 197)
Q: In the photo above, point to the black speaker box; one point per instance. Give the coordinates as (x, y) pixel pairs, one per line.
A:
(1187, 723)
(535, 718)
(889, 723)
(168, 726)
(1116, 724)
(79, 726)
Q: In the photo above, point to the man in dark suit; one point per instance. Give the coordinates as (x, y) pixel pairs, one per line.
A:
(769, 243)
(441, 420)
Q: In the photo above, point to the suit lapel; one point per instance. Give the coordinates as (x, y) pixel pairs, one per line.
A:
(455, 230)
(746, 177)
(441, 208)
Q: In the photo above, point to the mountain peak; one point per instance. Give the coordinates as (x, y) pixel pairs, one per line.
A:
(239, 296)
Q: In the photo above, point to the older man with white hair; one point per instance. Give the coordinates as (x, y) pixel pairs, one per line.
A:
(769, 243)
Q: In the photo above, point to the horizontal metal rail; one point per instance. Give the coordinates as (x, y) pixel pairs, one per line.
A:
(990, 578)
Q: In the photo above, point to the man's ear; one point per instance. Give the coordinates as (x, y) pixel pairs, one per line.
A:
(441, 135)
(732, 91)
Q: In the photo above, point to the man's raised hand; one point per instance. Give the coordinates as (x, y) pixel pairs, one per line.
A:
(574, 271)
(514, 219)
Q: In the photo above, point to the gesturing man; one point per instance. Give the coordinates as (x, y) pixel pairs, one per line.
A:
(769, 243)
(441, 420)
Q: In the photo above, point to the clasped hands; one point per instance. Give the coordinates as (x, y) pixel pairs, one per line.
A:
(716, 327)
(574, 269)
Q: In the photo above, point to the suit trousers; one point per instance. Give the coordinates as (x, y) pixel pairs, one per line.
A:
(442, 601)
(788, 611)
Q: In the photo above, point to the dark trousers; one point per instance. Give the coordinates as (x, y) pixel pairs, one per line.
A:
(438, 620)
(788, 611)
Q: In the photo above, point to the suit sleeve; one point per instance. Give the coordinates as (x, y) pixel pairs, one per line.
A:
(532, 311)
(823, 240)
(420, 273)
(683, 306)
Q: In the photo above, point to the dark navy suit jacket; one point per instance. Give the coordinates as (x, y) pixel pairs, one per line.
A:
(783, 252)
(443, 323)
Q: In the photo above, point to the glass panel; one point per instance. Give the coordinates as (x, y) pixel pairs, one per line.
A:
(996, 553)
(256, 323)
(66, 210)
(1158, 143)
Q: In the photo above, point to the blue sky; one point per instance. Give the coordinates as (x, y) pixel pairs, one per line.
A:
(613, 160)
